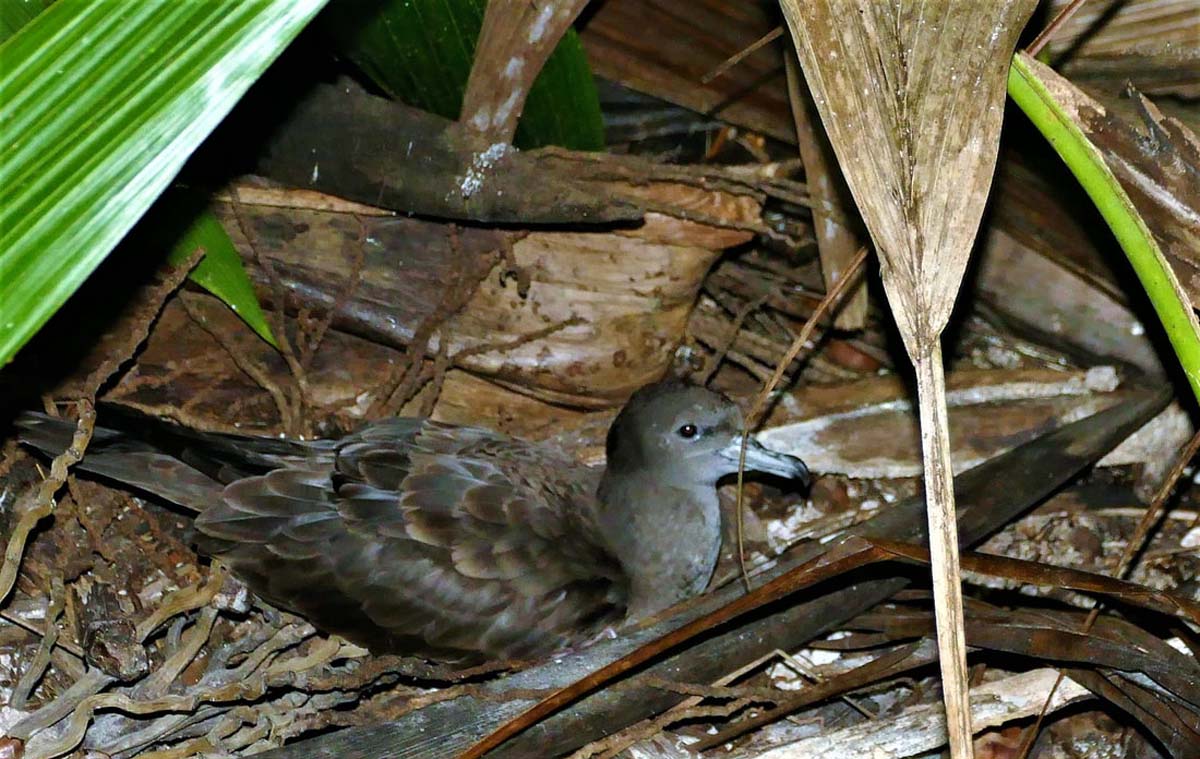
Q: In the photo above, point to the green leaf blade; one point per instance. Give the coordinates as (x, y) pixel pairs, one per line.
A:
(109, 99)
(220, 271)
(1087, 164)
(14, 14)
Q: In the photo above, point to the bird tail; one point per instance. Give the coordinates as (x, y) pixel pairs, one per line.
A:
(186, 467)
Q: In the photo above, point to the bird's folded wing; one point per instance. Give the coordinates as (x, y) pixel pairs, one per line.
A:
(419, 538)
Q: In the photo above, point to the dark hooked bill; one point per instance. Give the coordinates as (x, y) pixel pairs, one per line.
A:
(762, 459)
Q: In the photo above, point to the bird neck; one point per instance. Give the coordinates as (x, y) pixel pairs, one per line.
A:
(667, 536)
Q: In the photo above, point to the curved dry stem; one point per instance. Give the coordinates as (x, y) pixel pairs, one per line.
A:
(43, 504)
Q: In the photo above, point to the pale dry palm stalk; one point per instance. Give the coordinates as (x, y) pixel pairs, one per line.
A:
(911, 94)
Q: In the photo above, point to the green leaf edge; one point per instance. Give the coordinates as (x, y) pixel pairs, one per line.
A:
(221, 271)
(283, 20)
(1087, 164)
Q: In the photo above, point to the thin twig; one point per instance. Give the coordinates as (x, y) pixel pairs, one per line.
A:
(352, 249)
(767, 695)
(756, 180)
(516, 342)
(512, 269)
(1153, 516)
(250, 367)
(742, 54)
(761, 371)
(68, 646)
(52, 712)
(831, 299)
(157, 683)
(402, 386)
(875, 672)
(827, 303)
(618, 742)
(738, 320)
(41, 660)
(181, 602)
(807, 670)
(441, 364)
(300, 402)
(247, 682)
(712, 220)
(1051, 29)
(697, 712)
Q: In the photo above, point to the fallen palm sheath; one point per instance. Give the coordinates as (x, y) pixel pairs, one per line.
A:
(449, 728)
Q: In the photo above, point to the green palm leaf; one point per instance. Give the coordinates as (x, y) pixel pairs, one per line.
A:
(100, 105)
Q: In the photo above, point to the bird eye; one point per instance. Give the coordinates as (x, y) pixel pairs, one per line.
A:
(687, 431)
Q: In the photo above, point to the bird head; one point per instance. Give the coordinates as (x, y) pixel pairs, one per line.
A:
(691, 431)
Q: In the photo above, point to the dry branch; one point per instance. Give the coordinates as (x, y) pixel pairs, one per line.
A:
(516, 40)
(836, 240)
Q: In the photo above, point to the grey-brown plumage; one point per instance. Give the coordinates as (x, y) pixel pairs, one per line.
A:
(416, 537)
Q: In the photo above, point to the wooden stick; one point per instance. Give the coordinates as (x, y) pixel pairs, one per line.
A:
(1052, 28)
(943, 548)
(516, 40)
(836, 241)
(742, 54)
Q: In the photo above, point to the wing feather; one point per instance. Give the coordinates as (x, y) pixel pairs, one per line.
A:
(418, 537)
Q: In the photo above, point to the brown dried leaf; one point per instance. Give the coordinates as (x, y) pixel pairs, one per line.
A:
(911, 95)
(1038, 573)
(1161, 715)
